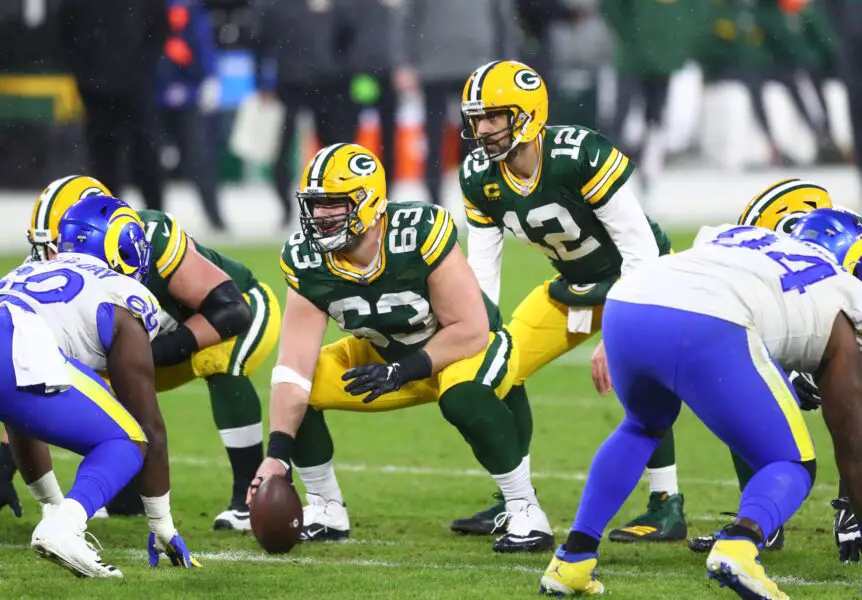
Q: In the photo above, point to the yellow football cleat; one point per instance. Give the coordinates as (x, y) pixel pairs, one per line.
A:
(570, 574)
(735, 563)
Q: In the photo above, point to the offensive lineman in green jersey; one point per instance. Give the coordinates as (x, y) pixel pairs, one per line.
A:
(393, 276)
(564, 190)
(219, 324)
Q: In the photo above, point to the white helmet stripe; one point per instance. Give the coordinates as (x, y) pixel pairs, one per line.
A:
(478, 77)
(315, 173)
(761, 203)
(48, 200)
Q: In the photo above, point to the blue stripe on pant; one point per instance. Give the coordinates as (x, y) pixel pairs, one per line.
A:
(84, 418)
(658, 358)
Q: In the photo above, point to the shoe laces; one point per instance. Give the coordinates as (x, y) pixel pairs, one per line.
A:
(518, 521)
(91, 543)
(313, 513)
(500, 520)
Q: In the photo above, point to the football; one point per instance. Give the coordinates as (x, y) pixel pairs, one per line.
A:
(276, 515)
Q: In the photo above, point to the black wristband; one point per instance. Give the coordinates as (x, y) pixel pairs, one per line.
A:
(280, 446)
(415, 366)
(175, 347)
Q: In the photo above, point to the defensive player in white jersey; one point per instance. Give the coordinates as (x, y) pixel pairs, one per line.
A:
(716, 324)
(59, 322)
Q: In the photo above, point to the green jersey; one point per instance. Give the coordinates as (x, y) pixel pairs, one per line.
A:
(579, 172)
(389, 304)
(170, 244)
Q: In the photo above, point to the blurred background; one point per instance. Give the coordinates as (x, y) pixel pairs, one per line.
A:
(209, 108)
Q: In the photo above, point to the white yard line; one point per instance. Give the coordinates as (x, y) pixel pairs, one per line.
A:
(195, 461)
(253, 557)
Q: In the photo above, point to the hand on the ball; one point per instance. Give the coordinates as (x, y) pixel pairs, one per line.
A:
(175, 549)
(267, 468)
(377, 379)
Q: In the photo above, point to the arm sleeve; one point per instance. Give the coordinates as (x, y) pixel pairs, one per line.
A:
(626, 223)
(287, 268)
(485, 255)
(169, 243)
(441, 238)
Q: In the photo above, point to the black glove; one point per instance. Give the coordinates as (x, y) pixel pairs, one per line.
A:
(8, 495)
(846, 530)
(806, 390)
(382, 379)
(377, 379)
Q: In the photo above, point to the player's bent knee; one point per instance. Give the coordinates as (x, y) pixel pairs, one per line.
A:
(635, 426)
(811, 467)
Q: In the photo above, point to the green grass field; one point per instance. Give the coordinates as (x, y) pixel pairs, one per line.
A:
(405, 475)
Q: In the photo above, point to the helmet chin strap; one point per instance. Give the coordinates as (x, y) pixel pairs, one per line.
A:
(515, 143)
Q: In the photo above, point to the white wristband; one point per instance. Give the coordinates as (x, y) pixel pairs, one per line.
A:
(158, 511)
(282, 374)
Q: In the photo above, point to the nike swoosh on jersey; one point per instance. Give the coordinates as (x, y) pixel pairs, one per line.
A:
(595, 160)
(166, 232)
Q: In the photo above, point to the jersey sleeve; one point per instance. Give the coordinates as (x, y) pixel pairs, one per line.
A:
(604, 169)
(287, 267)
(127, 293)
(472, 205)
(168, 240)
(437, 237)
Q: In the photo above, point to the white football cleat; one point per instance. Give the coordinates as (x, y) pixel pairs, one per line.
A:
(528, 529)
(324, 521)
(102, 513)
(233, 519)
(62, 541)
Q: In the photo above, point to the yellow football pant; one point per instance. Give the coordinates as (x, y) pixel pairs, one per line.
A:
(540, 329)
(496, 367)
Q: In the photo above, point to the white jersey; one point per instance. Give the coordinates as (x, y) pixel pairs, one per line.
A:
(75, 296)
(786, 290)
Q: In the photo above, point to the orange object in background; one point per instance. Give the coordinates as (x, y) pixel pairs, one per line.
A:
(792, 6)
(409, 146)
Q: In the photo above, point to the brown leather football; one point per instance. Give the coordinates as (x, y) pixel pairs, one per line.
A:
(276, 515)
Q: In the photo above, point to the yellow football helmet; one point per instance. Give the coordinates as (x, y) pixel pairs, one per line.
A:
(505, 85)
(341, 175)
(52, 204)
(782, 204)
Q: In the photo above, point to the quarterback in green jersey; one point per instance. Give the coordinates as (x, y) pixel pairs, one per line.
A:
(218, 321)
(566, 191)
(394, 278)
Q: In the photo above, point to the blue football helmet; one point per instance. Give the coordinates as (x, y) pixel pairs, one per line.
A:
(836, 230)
(110, 230)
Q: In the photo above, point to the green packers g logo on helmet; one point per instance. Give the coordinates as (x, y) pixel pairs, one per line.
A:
(362, 164)
(527, 80)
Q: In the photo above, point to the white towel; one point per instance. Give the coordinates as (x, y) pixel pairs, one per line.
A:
(580, 320)
(36, 357)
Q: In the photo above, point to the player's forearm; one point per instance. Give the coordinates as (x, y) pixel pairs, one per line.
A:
(485, 256)
(455, 342)
(842, 412)
(155, 479)
(205, 334)
(287, 407)
(32, 456)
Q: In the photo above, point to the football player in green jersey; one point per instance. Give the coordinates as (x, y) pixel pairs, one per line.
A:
(219, 324)
(393, 276)
(565, 190)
